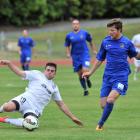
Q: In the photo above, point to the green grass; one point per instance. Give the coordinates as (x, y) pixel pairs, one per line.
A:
(123, 124)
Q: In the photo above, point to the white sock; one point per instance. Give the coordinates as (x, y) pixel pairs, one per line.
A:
(135, 74)
(16, 122)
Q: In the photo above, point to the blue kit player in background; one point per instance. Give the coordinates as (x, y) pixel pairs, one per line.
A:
(115, 48)
(77, 49)
(25, 44)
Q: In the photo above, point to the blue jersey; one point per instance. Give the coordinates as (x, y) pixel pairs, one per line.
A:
(77, 41)
(116, 52)
(26, 43)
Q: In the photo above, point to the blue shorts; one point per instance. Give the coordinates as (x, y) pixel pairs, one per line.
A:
(112, 83)
(80, 62)
(25, 57)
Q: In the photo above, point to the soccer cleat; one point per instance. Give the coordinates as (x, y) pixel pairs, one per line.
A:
(86, 93)
(2, 119)
(89, 83)
(99, 128)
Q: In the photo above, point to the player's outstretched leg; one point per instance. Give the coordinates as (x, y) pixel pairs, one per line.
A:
(106, 112)
(16, 122)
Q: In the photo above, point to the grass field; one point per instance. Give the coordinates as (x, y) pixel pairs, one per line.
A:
(123, 124)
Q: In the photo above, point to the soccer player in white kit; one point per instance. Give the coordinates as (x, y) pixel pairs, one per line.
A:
(136, 42)
(41, 89)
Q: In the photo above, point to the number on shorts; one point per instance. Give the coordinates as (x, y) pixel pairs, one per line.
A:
(22, 100)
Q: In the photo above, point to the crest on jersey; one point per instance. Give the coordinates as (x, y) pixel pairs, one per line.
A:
(81, 36)
(121, 45)
(71, 37)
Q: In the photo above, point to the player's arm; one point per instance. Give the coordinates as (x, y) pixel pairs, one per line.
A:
(91, 44)
(67, 112)
(19, 50)
(67, 45)
(19, 46)
(93, 47)
(68, 48)
(93, 69)
(13, 67)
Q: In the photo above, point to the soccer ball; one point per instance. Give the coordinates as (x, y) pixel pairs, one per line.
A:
(30, 123)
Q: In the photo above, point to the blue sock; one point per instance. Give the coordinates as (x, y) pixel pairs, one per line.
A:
(106, 112)
(83, 83)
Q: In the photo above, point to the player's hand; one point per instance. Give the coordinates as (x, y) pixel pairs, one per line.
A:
(77, 121)
(86, 74)
(4, 62)
(19, 52)
(68, 56)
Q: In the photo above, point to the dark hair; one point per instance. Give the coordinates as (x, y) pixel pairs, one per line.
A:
(51, 64)
(115, 22)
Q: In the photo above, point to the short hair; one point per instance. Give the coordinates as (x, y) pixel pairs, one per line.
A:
(115, 22)
(51, 64)
(75, 20)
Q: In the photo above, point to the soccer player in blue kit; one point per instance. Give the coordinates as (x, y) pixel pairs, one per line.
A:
(25, 44)
(77, 48)
(115, 48)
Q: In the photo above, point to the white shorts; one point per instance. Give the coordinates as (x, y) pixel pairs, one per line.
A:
(25, 106)
(136, 62)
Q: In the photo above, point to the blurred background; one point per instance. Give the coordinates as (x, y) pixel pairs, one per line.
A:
(48, 21)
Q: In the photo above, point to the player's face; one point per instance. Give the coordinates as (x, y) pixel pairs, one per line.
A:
(114, 33)
(25, 33)
(50, 72)
(76, 25)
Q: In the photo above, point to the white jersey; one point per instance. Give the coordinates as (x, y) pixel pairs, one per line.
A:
(136, 42)
(136, 39)
(39, 92)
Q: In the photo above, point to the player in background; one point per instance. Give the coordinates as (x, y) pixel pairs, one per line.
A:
(25, 44)
(77, 49)
(41, 89)
(115, 48)
(136, 42)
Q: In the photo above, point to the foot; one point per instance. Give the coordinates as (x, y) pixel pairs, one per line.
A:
(89, 83)
(86, 93)
(2, 119)
(99, 128)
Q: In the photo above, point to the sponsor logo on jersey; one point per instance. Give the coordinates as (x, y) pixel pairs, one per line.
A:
(81, 36)
(121, 45)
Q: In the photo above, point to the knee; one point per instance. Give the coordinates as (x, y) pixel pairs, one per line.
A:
(8, 107)
(110, 100)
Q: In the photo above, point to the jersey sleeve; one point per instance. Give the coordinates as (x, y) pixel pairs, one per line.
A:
(32, 43)
(88, 37)
(31, 75)
(56, 96)
(132, 50)
(19, 43)
(67, 41)
(101, 55)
